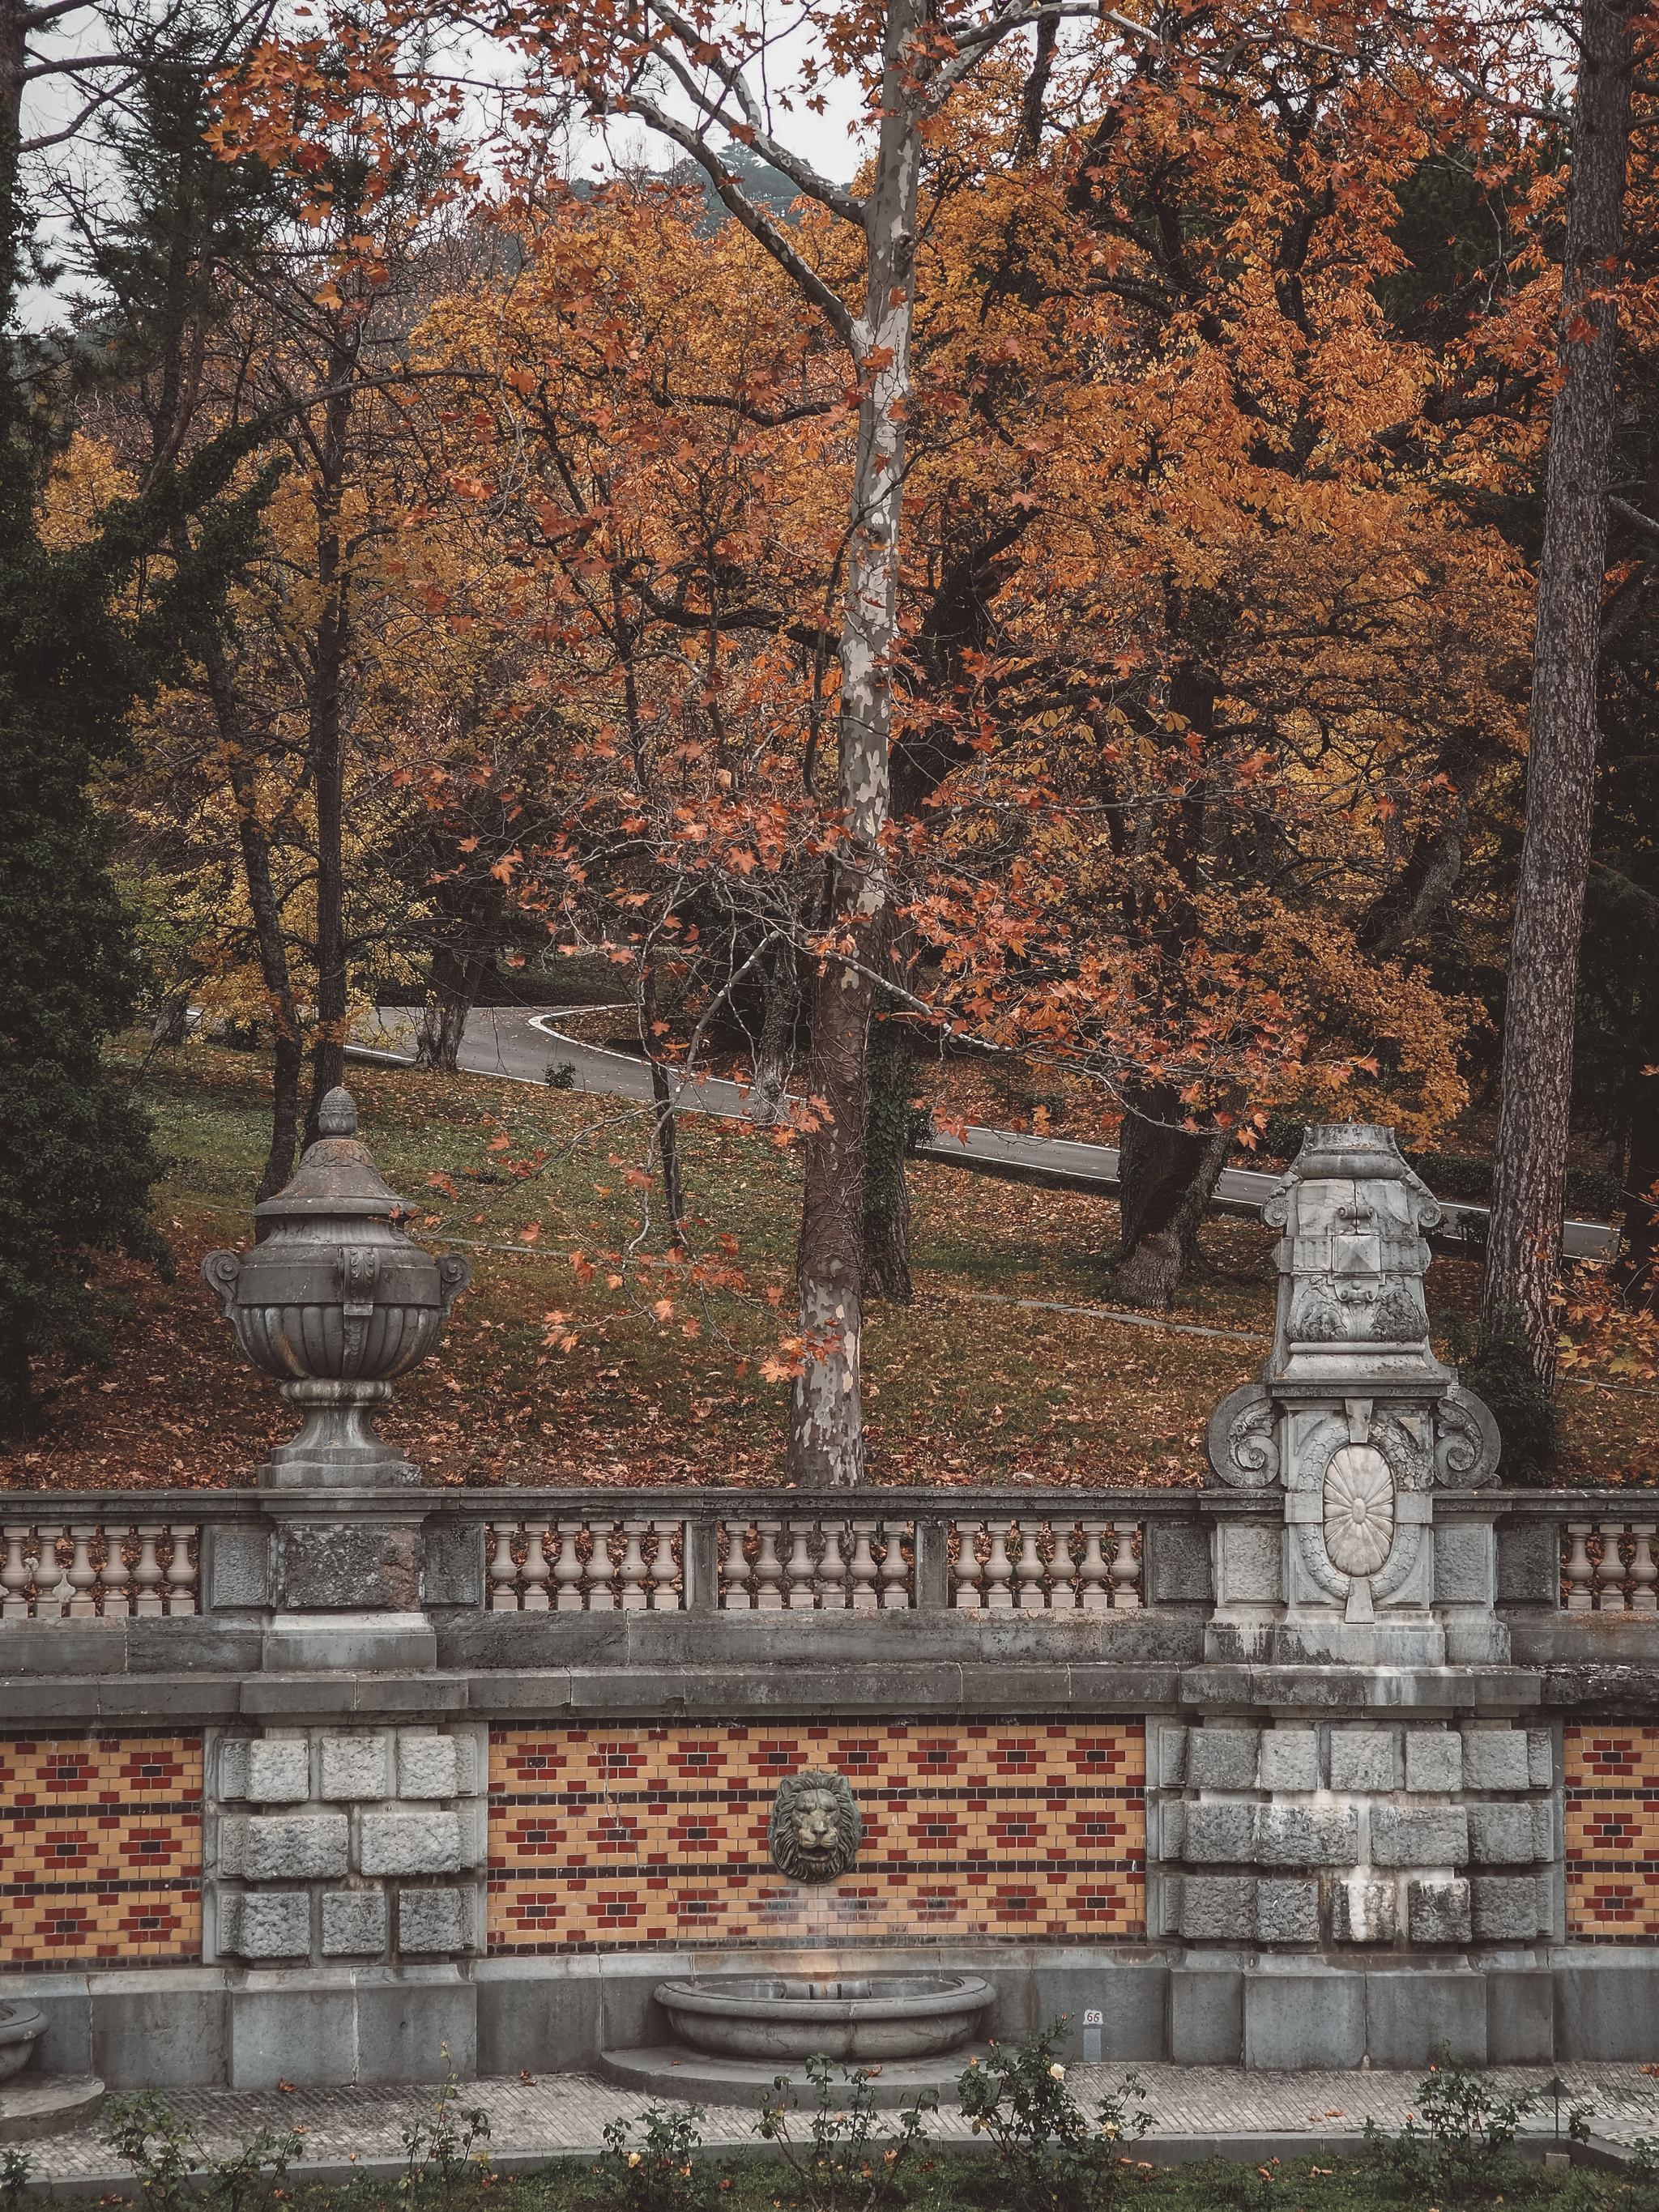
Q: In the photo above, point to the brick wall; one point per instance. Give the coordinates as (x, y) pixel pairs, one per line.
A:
(1612, 1771)
(621, 1837)
(100, 1850)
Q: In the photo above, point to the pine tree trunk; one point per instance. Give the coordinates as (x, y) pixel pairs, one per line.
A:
(1530, 1157)
(826, 1420)
(1638, 1262)
(266, 910)
(328, 759)
(1166, 1178)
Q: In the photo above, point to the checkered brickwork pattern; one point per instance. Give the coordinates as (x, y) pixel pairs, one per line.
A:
(1612, 1833)
(617, 1838)
(100, 1849)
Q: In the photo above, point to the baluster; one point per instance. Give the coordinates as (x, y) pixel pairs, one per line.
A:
(568, 1570)
(998, 1569)
(1094, 1574)
(894, 1594)
(769, 1570)
(62, 1590)
(117, 1585)
(863, 1568)
(181, 1571)
(601, 1570)
(1643, 1573)
(665, 1598)
(734, 1575)
(14, 1576)
(798, 1592)
(1610, 1597)
(504, 1569)
(633, 1567)
(1125, 1568)
(81, 1576)
(1577, 1571)
(148, 1574)
(832, 1575)
(1029, 1592)
(966, 1569)
(535, 1568)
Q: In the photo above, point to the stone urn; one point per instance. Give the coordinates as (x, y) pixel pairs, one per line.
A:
(21, 2027)
(334, 1302)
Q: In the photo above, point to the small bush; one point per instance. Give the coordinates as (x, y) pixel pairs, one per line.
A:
(1055, 2157)
(165, 2153)
(455, 2140)
(1461, 2128)
(845, 2167)
(560, 1075)
(660, 2174)
(15, 2167)
(1494, 1362)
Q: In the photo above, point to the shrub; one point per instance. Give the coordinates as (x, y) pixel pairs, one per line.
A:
(561, 1074)
(165, 2153)
(1055, 2157)
(1461, 2128)
(845, 2167)
(455, 2140)
(661, 2175)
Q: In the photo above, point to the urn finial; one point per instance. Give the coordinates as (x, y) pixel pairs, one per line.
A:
(335, 1301)
(338, 1115)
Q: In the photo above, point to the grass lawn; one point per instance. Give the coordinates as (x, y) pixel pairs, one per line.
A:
(941, 2183)
(582, 1354)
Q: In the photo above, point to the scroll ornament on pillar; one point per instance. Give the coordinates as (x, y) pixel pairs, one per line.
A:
(335, 1301)
(1354, 1421)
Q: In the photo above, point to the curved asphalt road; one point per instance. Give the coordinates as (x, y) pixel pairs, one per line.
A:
(521, 1043)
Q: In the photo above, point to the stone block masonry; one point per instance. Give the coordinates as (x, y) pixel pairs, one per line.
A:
(614, 1837)
(1389, 1837)
(318, 1858)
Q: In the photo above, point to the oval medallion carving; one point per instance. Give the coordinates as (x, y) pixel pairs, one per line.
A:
(1359, 1509)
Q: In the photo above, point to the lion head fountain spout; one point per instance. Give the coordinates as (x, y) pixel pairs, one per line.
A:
(816, 1827)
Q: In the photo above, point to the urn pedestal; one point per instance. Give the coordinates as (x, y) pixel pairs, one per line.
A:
(1357, 1430)
(335, 1302)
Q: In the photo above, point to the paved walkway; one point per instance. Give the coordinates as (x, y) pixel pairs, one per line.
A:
(521, 1043)
(564, 2114)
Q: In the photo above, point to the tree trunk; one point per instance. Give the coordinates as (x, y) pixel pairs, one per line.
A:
(665, 1135)
(1166, 1178)
(456, 979)
(1638, 1263)
(888, 1119)
(328, 757)
(266, 910)
(1530, 1157)
(775, 1052)
(826, 1424)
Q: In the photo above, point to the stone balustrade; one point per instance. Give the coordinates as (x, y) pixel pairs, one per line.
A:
(96, 1568)
(815, 1562)
(1609, 1566)
(1562, 1556)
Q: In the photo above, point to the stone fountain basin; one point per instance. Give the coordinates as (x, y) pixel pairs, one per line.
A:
(870, 2016)
(20, 2027)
